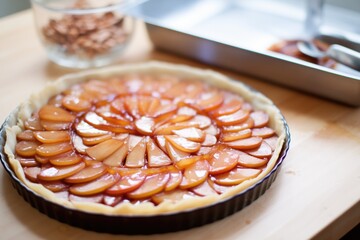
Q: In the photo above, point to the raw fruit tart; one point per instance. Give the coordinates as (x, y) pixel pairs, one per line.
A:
(144, 139)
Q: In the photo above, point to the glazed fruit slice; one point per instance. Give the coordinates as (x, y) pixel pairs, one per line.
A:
(153, 184)
(52, 149)
(204, 189)
(52, 113)
(87, 174)
(127, 183)
(183, 144)
(26, 148)
(52, 136)
(156, 157)
(58, 173)
(136, 158)
(102, 150)
(195, 174)
(223, 160)
(97, 186)
(236, 176)
(173, 196)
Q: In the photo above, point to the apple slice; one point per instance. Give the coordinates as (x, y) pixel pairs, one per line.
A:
(52, 149)
(98, 198)
(249, 123)
(263, 132)
(31, 173)
(156, 157)
(219, 188)
(195, 174)
(188, 161)
(143, 104)
(210, 100)
(248, 161)
(165, 111)
(233, 118)
(131, 106)
(175, 154)
(75, 103)
(260, 118)
(161, 141)
(78, 143)
(152, 185)
(264, 150)
(112, 201)
(96, 186)
(204, 189)
(233, 136)
(55, 126)
(223, 160)
(117, 158)
(26, 135)
(200, 121)
(127, 183)
(117, 106)
(91, 141)
(65, 159)
(228, 107)
(114, 118)
(26, 148)
(173, 196)
(183, 144)
(272, 142)
(28, 162)
(121, 136)
(86, 130)
(210, 140)
(136, 158)
(55, 186)
(33, 123)
(166, 129)
(95, 120)
(87, 174)
(236, 176)
(175, 180)
(183, 114)
(212, 130)
(52, 136)
(103, 150)
(58, 173)
(42, 160)
(244, 144)
(153, 105)
(52, 113)
(204, 150)
(193, 134)
(145, 125)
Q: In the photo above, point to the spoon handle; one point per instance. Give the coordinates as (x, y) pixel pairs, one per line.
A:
(345, 56)
(313, 18)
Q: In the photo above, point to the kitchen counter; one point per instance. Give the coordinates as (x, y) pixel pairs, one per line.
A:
(316, 194)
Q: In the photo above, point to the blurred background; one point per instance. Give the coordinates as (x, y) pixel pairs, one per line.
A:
(8, 7)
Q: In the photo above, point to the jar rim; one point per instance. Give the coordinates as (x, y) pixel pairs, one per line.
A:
(121, 6)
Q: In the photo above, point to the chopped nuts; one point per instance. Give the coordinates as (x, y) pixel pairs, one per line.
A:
(89, 34)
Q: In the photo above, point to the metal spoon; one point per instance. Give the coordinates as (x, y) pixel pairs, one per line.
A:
(336, 52)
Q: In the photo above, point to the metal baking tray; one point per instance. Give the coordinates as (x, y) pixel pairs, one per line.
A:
(236, 35)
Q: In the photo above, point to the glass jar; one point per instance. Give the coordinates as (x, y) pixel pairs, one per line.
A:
(83, 33)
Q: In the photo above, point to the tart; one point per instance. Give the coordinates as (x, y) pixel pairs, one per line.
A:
(144, 140)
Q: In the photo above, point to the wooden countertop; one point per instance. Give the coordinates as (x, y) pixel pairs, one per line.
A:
(316, 194)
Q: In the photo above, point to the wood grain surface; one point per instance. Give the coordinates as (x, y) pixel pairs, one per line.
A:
(316, 194)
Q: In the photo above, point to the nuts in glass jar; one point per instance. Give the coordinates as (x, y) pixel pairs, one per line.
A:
(88, 35)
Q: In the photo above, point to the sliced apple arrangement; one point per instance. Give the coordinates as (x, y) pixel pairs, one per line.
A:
(144, 138)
